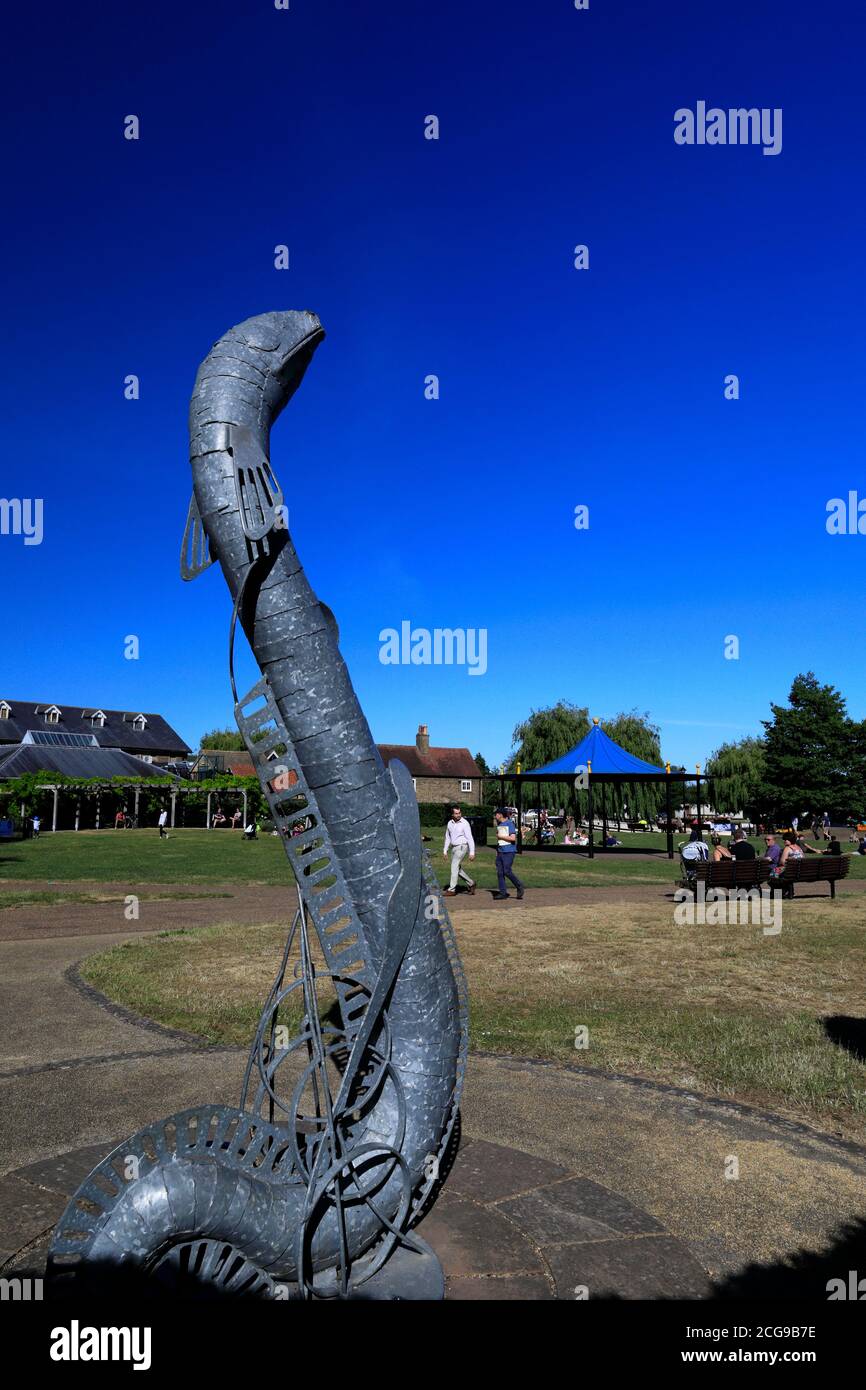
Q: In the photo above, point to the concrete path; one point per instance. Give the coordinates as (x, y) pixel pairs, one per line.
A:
(206, 904)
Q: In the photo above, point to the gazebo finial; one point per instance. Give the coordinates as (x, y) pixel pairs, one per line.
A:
(595, 721)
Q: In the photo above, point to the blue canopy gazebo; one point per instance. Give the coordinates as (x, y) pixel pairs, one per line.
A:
(602, 762)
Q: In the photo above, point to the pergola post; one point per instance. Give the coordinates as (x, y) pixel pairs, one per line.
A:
(698, 795)
(519, 815)
(603, 818)
(209, 795)
(669, 811)
(56, 791)
(245, 808)
(137, 795)
(173, 805)
(589, 808)
(98, 807)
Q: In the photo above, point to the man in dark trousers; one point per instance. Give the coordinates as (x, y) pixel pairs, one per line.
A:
(506, 848)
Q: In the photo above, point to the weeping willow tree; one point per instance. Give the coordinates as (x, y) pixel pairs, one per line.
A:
(551, 733)
(546, 735)
(639, 736)
(736, 772)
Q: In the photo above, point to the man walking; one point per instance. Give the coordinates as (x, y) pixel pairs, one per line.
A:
(506, 848)
(163, 822)
(458, 839)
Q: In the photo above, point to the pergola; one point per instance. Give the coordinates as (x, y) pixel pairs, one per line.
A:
(98, 789)
(593, 765)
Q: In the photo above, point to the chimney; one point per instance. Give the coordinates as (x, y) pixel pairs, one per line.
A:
(422, 740)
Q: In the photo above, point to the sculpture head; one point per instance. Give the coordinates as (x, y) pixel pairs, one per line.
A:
(292, 336)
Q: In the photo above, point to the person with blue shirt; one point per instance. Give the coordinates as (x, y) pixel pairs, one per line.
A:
(506, 848)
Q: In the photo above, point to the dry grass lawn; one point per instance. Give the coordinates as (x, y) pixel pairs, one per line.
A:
(778, 1021)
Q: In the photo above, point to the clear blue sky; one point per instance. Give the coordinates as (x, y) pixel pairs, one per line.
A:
(454, 257)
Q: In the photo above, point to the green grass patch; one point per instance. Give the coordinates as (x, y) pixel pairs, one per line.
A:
(223, 856)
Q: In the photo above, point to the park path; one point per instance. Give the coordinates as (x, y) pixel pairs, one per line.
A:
(253, 903)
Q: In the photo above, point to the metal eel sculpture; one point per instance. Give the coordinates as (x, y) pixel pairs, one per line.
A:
(311, 1186)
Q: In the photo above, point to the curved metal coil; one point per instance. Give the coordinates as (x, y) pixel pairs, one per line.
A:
(317, 1181)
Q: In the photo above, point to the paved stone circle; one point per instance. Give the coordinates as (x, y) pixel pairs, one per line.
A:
(506, 1226)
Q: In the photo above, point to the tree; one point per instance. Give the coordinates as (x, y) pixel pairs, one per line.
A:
(814, 759)
(230, 739)
(547, 734)
(550, 733)
(489, 790)
(737, 773)
(637, 735)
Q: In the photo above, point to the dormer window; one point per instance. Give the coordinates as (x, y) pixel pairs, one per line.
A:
(139, 723)
(52, 715)
(5, 710)
(97, 719)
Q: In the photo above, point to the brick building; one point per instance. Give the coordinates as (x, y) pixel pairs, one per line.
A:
(438, 774)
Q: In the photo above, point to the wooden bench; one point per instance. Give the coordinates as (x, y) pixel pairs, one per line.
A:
(752, 873)
(813, 868)
(726, 873)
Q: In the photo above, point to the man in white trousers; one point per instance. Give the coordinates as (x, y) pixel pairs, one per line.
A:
(459, 841)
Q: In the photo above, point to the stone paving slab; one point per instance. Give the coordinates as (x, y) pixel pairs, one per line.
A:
(492, 1246)
(652, 1267)
(26, 1211)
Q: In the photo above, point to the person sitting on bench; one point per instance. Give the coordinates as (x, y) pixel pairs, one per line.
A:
(740, 848)
(693, 852)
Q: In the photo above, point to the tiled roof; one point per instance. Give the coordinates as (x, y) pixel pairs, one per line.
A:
(117, 732)
(436, 762)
